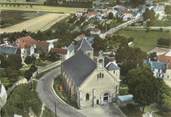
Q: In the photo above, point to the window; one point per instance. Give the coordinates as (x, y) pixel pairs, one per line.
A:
(100, 75)
(101, 61)
(87, 97)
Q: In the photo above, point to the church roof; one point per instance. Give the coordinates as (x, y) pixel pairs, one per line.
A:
(79, 67)
(83, 45)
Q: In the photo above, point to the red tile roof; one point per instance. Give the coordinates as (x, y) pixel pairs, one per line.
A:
(42, 43)
(60, 51)
(92, 13)
(166, 59)
(25, 42)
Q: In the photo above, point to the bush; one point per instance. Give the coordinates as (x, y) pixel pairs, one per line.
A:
(30, 60)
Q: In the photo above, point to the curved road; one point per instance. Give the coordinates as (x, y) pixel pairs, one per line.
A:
(48, 97)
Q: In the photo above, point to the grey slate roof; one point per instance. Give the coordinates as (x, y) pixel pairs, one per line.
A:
(79, 67)
(156, 65)
(8, 50)
(83, 45)
(112, 66)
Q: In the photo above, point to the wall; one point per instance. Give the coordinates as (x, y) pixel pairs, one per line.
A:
(96, 88)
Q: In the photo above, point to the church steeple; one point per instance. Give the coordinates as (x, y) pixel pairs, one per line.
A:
(100, 60)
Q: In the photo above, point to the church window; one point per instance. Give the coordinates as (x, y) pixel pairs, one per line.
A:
(87, 97)
(100, 75)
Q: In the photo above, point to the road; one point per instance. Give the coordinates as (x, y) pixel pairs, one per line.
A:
(151, 27)
(47, 95)
(41, 23)
(119, 27)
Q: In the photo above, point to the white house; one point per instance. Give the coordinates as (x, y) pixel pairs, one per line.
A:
(27, 46)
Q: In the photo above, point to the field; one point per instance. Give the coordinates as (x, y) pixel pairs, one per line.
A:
(145, 40)
(41, 8)
(41, 23)
(9, 18)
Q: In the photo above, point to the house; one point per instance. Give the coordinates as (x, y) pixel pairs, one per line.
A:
(83, 44)
(51, 44)
(95, 31)
(8, 49)
(31, 47)
(3, 95)
(88, 82)
(159, 51)
(167, 59)
(159, 11)
(42, 47)
(60, 52)
(127, 16)
(16, 115)
(27, 46)
(91, 14)
(158, 68)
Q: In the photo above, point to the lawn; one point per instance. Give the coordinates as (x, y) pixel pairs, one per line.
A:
(145, 40)
(22, 100)
(62, 94)
(42, 8)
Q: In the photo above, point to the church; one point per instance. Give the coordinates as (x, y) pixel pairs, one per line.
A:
(90, 81)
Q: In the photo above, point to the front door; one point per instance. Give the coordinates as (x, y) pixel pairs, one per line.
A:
(97, 102)
(106, 98)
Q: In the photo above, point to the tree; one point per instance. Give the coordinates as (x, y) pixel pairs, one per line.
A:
(129, 58)
(153, 56)
(29, 73)
(149, 16)
(168, 9)
(136, 3)
(110, 15)
(14, 61)
(99, 44)
(12, 74)
(3, 62)
(30, 60)
(52, 56)
(145, 88)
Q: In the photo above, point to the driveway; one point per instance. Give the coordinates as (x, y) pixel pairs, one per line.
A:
(51, 100)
